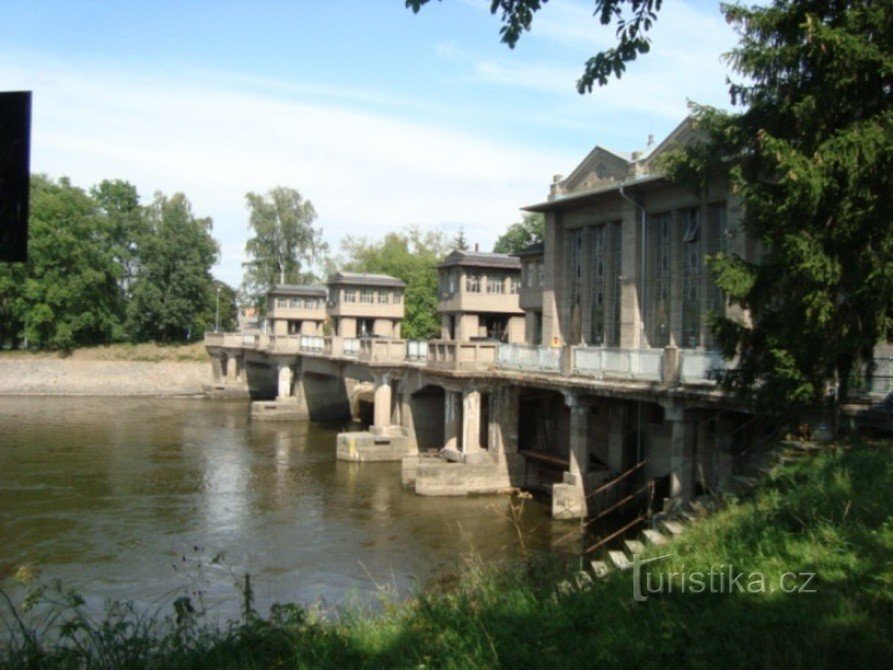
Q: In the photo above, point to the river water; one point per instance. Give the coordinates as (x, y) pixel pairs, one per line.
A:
(148, 499)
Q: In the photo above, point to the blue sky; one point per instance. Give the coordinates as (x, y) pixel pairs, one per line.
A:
(381, 117)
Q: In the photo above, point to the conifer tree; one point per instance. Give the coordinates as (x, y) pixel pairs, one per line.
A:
(811, 156)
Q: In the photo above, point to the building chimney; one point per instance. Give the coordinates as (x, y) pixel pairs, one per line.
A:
(476, 246)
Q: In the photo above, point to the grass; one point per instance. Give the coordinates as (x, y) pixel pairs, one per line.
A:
(830, 515)
(148, 351)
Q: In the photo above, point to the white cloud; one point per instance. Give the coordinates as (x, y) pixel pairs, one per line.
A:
(366, 173)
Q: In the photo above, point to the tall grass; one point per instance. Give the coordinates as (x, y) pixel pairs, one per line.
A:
(829, 515)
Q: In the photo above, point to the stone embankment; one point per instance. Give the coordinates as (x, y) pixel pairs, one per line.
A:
(61, 376)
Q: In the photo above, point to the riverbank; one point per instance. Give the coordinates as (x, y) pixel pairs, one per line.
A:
(828, 516)
(36, 375)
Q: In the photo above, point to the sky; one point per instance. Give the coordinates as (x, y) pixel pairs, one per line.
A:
(381, 117)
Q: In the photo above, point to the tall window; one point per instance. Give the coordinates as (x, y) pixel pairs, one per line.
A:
(473, 283)
(350, 295)
(718, 233)
(597, 314)
(660, 279)
(691, 277)
(282, 302)
(576, 270)
(366, 295)
(541, 273)
(384, 297)
(495, 284)
(398, 298)
(297, 303)
(617, 283)
(513, 285)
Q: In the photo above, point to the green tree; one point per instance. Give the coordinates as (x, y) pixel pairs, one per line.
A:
(460, 242)
(285, 243)
(411, 256)
(228, 301)
(173, 295)
(119, 202)
(69, 294)
(12, 278)
(522, 234)
(631, 19)
(813, 164)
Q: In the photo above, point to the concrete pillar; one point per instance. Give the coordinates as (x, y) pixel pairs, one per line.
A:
(452, 416)
(578, 452)
(216, 367)
(682, 467)
(381, 413)
(471, 421)
(285, 387)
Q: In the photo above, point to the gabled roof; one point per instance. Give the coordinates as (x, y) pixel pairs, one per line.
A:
(364, 279)
(313, 290)
(480, 259)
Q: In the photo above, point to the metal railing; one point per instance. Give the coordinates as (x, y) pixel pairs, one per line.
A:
(528, 357)
(605, 362)
(416, 350)
(700, 366)
(312, 343)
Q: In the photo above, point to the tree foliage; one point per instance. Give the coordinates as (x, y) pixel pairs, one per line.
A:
(411, 256)
(67, 292)
(812, 162)
(631, 19)
(285, 243)
(172, 295)
(525, 232)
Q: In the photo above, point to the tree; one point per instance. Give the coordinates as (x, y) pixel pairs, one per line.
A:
(813, 160)
(68, 295)
(119, 202)
(173, 295)
(411, 256)
(522, 234)
(285, 242)
(460, 242)
(632, 19)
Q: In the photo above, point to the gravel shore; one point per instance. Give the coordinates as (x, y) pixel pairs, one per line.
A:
(58, 376)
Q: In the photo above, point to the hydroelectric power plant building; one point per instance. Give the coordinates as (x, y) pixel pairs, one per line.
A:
(581, 359)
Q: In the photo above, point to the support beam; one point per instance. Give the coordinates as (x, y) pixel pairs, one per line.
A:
(578, 434)
(471, 422)
(381, 413)
(682, 467)
(285, 380)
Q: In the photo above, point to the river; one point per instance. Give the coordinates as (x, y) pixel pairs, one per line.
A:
(148, 499)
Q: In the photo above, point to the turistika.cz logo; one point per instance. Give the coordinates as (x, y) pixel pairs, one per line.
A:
(722, 578)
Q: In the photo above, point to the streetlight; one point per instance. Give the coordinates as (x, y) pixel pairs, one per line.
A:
(217, 313)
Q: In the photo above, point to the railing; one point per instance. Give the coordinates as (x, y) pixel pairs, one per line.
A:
(335, 345)
(604, 362)
(528, 357)
(233, 340)
(701, 367)
(416, 350)
(454, 355)
(285, 344)
(382, 350)
(312, 343)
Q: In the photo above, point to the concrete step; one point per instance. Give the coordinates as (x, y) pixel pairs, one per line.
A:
(600, 568)
(687, 515)
(634, 546)
(672, 527)
(802, 447)
(653, 538)
(619, 559)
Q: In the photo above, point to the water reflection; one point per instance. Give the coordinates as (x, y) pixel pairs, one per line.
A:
(131, 498)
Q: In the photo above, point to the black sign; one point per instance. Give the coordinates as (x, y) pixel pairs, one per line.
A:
(15, 153)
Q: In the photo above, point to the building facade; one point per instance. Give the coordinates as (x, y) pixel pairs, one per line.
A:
(365, 305)
(478, 297)
(296, 310)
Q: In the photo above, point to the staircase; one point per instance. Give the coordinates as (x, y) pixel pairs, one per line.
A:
(672, 523)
